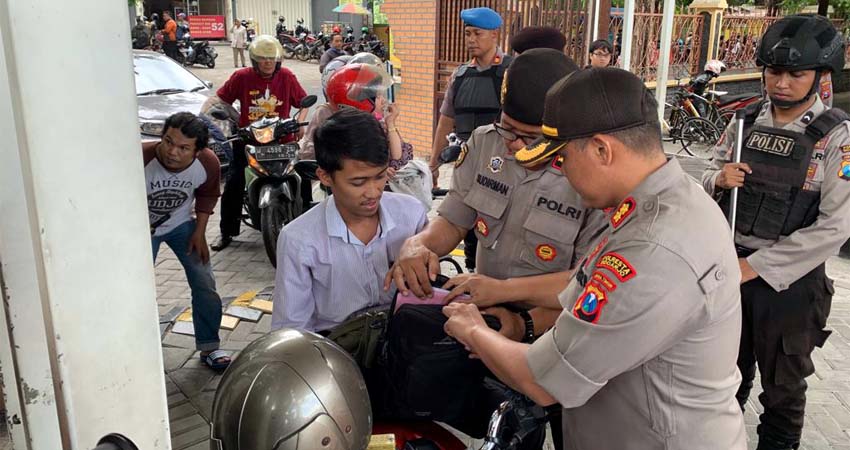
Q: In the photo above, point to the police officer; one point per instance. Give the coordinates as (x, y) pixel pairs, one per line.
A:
(643, 354)
(531, 228)
(472, 98)
(793, 212)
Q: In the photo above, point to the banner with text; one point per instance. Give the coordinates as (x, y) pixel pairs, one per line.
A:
(207, 27)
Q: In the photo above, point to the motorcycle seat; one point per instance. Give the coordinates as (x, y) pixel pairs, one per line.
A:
(727, 99)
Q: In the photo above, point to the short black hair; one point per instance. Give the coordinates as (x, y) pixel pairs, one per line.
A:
(191, 127)
(350, 134)
(603, 44)
(335, 34)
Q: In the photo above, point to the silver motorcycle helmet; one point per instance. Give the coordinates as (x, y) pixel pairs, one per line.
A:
(291, 390)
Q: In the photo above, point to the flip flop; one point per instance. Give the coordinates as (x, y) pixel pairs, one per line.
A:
(211, 358)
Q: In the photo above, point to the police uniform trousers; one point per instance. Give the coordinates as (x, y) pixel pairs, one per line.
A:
(779, 333)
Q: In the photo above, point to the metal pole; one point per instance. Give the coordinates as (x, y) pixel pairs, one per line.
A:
(595, 20)
(628, 29)
(736, 158)
(664, 57)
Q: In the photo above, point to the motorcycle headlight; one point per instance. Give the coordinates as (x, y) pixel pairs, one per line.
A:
(263, 135)
(151, 127)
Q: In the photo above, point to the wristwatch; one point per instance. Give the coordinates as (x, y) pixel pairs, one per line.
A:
(528, 337)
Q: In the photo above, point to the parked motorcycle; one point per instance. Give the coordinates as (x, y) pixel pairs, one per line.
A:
(249, 29)
(311, 47)
(273, 179)
(289, 43)
(301, 28)
(195, 52)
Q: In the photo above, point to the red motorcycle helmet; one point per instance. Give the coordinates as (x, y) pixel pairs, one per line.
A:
(337, 29)
(358, 86)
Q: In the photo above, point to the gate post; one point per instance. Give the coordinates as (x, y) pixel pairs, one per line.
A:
(712, 12)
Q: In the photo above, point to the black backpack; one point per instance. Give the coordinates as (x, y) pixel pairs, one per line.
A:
(427, 374)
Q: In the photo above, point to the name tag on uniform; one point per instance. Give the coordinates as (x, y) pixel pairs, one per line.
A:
(770, 143)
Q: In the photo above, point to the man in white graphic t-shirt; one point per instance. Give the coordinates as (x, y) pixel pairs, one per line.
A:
(182, 182)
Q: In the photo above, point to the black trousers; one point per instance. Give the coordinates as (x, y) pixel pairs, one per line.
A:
(234, 192)
(470, 249)
(170, 49)
(779, 332)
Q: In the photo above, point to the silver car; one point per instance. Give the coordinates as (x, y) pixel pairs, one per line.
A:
(163, 88)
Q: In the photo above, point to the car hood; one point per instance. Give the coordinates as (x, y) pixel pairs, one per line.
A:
(159, 107)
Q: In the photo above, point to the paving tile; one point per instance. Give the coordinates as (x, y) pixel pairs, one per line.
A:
(181, 411)
(174, 357)
(191, 381)
(187, 423)
(190, 437)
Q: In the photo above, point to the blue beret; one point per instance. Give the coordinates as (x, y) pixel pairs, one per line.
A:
(484, 18)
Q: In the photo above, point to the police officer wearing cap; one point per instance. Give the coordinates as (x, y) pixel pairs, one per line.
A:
(643, 354)
(531, 226)
(793, 212)
(472, 97)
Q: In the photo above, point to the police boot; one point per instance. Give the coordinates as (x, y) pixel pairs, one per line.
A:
(772, 443)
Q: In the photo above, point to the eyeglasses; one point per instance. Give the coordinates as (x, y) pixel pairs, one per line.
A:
(511, 136)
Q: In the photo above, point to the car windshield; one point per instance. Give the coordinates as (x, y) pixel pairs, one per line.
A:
(160, 75)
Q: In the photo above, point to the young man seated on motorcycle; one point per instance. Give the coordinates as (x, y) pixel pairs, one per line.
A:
(264, 90)
(332, 259)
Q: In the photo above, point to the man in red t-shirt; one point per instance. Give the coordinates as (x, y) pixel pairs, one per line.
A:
(264, 90)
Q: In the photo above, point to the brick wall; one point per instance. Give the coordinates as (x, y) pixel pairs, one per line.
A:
(412, 24)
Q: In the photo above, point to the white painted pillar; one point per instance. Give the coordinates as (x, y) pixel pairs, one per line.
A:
(664, 57)
(80, 354)
(628, 31)
(595, 35)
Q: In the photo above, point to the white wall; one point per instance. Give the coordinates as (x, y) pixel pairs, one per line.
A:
(266, 13)
(81, 347)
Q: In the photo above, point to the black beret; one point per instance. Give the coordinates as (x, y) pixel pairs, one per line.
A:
(538, 37)
(527, 80)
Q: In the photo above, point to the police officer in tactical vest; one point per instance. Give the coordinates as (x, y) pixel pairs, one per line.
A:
(793, 213)
(472, 98)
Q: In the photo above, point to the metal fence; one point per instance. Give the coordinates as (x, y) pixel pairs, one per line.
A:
(739, 39)
(565, 15)
(685, 50)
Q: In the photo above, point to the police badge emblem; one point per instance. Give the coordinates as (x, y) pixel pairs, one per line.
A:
(496, 163)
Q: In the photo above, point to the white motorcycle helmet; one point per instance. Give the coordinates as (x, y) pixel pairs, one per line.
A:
(715, 66)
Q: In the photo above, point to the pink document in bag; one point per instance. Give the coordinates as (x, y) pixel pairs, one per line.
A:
(439, 298)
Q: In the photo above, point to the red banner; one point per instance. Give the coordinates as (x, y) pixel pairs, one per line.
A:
(207, 27)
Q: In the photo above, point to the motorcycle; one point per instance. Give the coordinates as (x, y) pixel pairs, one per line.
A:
(250, 31)
(273, 179)
(196, 52)
(289, 43)
(311, 47)
(301, 28)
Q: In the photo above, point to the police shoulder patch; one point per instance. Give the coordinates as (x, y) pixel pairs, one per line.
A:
(617, 265)
(557, 162)
(603, 281)
(623, 212)
(844, 171)
(462, 157)
(588, 306)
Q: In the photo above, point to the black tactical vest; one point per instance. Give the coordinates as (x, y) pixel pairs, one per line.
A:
(772, 202)
(477, 96)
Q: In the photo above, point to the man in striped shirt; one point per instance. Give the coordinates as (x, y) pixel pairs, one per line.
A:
(331, 260)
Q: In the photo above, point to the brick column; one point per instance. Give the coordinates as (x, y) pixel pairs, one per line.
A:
(413, 25)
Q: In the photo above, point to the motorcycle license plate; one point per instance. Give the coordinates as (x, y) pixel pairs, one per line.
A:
(275, 152)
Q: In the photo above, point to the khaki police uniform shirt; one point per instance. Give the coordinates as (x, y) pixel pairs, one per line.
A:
(786, 260)
(644, 354)
(527, 222)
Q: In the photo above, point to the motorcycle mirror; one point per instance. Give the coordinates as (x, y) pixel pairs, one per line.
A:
(449, 154)
(309, 101)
